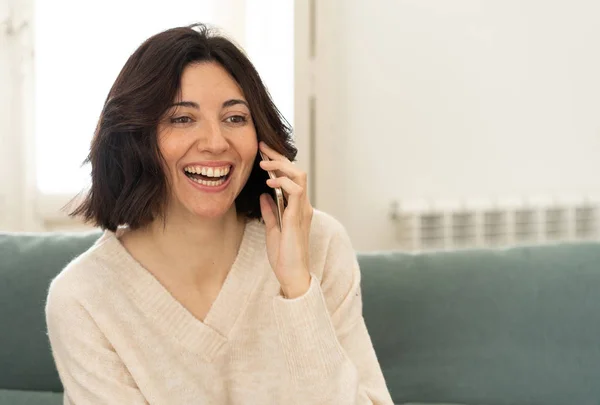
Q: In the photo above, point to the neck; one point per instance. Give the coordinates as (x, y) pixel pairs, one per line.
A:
(198, 251)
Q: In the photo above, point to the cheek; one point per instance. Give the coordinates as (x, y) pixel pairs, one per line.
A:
(249, 158)
(172, 148)
(248, 147)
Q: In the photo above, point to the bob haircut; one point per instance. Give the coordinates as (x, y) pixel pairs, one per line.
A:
(129, 186)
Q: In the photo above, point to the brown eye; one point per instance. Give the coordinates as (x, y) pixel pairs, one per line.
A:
(236, 119)
(181, 120)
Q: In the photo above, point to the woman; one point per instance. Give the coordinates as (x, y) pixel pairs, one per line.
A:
(188, 297)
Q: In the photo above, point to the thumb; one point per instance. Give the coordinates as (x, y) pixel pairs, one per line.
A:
(267, 209)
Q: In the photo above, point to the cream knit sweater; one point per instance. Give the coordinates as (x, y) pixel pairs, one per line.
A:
(119, 337)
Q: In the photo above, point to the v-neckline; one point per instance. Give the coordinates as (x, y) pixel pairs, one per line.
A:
(203, 337)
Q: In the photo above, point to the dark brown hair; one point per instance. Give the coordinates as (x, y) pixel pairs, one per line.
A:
(129, 186)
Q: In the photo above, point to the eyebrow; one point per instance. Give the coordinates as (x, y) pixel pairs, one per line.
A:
(193, 104)
(235, 101)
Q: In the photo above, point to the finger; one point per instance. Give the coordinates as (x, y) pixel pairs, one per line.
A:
(267, 209)
(294, 194)
(285, 168)
(287, 185)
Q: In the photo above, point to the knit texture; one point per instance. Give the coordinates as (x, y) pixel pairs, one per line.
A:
(119, 337)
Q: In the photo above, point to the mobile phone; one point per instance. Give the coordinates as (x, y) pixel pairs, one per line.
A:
(278, 196)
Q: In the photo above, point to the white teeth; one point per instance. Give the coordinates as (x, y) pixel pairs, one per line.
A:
(209, 183)
(209, 171)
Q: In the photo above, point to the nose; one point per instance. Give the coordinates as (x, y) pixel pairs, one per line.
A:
(212, 139)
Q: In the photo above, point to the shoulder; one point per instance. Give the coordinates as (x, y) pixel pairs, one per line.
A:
(331, 249)
(83, 279)
(325, 228)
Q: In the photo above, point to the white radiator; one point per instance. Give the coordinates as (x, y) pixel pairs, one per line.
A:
(448, 225)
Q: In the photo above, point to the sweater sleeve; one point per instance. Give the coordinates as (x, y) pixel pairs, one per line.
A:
(89, 368)
(328, 349)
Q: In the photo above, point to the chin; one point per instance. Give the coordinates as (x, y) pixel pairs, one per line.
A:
(210, 212)
(209, 207)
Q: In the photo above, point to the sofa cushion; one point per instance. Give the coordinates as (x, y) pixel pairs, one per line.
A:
(27, 264)
(513, 326)
(14, 397)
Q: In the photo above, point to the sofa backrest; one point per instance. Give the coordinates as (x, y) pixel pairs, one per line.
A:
(514, 326)
(28, 262)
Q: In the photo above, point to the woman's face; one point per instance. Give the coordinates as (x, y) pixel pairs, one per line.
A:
(209, 144)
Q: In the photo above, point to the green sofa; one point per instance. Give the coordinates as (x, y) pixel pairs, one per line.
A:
(519, 326)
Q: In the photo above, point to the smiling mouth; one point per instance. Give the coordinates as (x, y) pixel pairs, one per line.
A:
(208, 176)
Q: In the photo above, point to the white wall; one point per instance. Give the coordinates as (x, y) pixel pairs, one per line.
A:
(453, 99)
